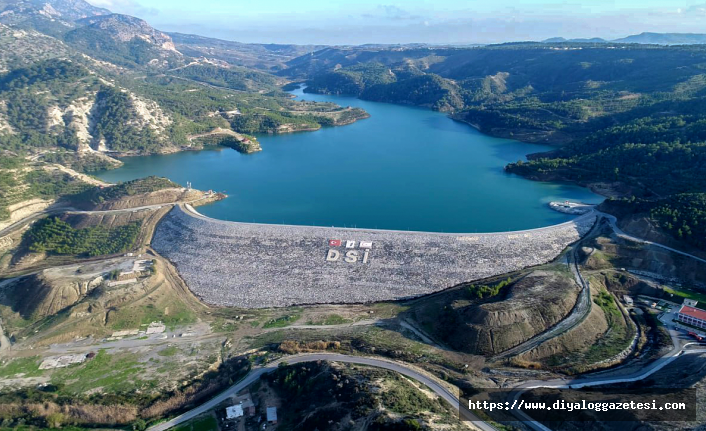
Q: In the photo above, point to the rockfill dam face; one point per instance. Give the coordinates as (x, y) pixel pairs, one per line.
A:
(258, 266)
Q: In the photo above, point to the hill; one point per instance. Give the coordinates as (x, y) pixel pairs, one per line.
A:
(124, 40)
(665, 38)
(270, 57)
(112, 84)
(579, 40)
(646, 38)
(54, 17)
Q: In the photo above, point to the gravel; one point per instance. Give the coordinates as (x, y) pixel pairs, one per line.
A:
(259, 265)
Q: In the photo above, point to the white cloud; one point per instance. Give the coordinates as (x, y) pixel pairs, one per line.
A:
(699, 9)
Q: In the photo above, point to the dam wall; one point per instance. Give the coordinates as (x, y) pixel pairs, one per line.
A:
(260, 265)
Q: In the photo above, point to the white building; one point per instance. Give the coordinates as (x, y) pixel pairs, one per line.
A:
(234, 412)
(692, 316)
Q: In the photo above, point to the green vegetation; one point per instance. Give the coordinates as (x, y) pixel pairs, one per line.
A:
(172, 313)
(102, 45)
(236, 78)
(29, 367)
(621, 117)
(207, 423)
(685, 292)
(351, 80)
(21, 181)
(282, 321)
(169, 351)
(682, 215)
(85, 163)
(357, 398)
(331, 319)
(30, 91)
(403, 398)
(477, 291)
(607, 303)
(616, 339)
(99, 195)
(126, 397)
(114, 123)
(259, 122)
(110, 372)
(55, 236)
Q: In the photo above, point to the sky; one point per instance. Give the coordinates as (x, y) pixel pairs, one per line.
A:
(334, 22)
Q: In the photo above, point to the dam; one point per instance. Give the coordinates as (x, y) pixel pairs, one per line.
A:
(251, 265)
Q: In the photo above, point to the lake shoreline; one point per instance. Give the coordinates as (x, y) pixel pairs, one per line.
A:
(404, 168)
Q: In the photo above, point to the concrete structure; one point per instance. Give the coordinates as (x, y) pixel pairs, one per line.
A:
(140, 268)
(690, 302)
(62, 361)
(156, 328)
(259, 265)
(125, 333)
(234, 412)
(571, 207)
(690, 315)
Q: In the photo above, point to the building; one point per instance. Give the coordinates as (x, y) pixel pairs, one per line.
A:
(627, 300)
(245, 403)
(234, 412)
(272, 415)
(690, 315)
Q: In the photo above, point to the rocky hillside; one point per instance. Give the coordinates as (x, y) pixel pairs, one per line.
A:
(62, 103)
(67, 10)
(48, 292)
(19, 48)
(53, 17)
(124, 40)
(270, 57)
(496, 316)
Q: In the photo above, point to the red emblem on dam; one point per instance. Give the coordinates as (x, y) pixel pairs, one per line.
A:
(334, 243)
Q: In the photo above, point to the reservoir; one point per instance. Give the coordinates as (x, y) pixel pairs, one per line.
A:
(404, 168)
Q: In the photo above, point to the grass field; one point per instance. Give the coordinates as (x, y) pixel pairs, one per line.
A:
(331, 319)
(207, 423)
(29, 367)
(687, 293)
(171, 312)
(282, 321)
(112, 373)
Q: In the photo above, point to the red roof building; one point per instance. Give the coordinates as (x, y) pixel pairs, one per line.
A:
(692, 316)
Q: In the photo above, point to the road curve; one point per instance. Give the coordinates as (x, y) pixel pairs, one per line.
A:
(580, 382)
(577, 314)
(70, 210)
(254, 375)
(613, 223)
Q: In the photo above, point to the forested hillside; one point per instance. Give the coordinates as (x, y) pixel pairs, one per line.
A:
(53, 96)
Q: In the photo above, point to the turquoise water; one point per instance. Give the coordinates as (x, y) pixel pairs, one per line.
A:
(403, 168)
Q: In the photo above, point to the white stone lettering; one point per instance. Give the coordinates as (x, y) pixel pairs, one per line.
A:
(332, 255)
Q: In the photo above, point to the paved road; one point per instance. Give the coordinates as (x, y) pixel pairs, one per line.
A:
(575, 316)
(364, 322)
(67, 209)
(254, 375)
(583, 303)
(612, 220)
(581, 382)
